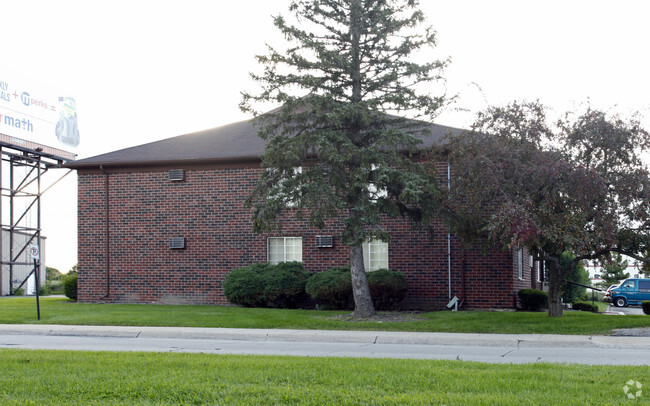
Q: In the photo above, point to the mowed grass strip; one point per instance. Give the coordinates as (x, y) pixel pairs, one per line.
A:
(56, 310)
(98, 378)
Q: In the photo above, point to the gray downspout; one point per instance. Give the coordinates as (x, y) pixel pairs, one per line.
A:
(108, 234)
(449, 234)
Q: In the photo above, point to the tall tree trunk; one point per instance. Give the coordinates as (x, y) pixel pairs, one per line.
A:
(555, 282)
(355, 33)
(363, 306)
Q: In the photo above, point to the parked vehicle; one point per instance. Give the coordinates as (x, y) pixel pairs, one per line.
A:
(608, 295)
(632, 291)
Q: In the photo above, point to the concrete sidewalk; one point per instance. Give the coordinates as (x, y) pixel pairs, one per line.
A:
(334, 336)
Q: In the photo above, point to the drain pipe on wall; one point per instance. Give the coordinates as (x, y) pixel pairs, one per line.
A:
(449, 234)
(108, 233)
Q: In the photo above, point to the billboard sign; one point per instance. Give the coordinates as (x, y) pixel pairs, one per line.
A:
(31, 115)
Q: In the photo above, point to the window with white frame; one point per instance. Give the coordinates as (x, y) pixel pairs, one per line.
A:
(520, 263)
(375, 255)
(284, 249)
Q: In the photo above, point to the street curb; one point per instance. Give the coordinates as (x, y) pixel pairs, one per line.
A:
(363, 337)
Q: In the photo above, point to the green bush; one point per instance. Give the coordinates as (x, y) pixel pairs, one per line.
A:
(52, 287)
(245, 286)
(331, 288)
(19, 292)
(645, 305)
(387, 288)
(284, 285)
(585, 307)
(265, 285)
(533, 299)
(70, 285)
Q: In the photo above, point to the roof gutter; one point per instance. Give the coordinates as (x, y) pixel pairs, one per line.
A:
(170, 162)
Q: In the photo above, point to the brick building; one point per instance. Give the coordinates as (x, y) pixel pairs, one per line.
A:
(165, 222)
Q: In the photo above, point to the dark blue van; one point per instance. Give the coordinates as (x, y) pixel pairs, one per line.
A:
(632, 291)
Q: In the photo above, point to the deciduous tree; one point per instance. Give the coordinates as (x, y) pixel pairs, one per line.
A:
(343, 85)
(577, 185)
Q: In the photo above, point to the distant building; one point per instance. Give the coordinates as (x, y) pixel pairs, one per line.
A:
(15, 270)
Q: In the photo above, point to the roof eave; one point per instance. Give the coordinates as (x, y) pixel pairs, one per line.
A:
(170, 162)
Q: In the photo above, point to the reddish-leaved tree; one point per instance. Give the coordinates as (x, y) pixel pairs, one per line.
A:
(578, 185)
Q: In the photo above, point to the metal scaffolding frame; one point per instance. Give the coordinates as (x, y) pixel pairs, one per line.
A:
(21, 182)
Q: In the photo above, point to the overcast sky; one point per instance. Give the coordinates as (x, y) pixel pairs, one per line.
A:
(142, 71)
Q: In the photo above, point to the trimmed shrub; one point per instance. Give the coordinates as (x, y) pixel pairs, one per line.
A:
(585, 307)
(645, 305)
(70, 285)
(265, 285)
(533, 299)
(245, 286)
(284, 285)
(19, 292)
(331, 288)
(387, 288)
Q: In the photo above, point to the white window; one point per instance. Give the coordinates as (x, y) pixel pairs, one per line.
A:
(284, 249)
(520, 263)
(375, 255)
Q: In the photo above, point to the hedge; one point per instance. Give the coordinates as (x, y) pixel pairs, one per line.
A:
(285, 285)
(533, 299)
(333, 288)
(645, 305)
(387, 288)
(587, 307)
(245, 286)
(266, 285)
(288, 284)
(70, 285)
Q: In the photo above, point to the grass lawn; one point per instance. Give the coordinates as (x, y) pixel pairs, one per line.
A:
(56, 310)
(94, 378)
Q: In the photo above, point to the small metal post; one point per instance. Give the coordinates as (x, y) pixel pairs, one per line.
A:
(38, 305)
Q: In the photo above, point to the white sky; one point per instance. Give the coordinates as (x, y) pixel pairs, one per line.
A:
(142, 71)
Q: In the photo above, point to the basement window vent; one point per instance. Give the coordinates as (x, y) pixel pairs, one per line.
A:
(324, 241)
(177, 175)
(177, 243)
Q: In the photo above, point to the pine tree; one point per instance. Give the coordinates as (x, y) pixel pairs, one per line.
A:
(614, 270)
(343, 85)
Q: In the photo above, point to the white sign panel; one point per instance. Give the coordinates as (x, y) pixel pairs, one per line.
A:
(34, 252)
(29, 112)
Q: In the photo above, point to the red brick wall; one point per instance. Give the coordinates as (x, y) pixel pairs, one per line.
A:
(207, 208)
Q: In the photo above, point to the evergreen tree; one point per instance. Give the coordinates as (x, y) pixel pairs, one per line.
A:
(576, 273)
(343, 84)
(614, 270)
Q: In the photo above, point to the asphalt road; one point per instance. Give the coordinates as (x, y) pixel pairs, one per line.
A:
(491, 348)
(635, 310)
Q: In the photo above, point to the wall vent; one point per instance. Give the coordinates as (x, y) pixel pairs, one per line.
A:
(177, 243)
(324, 241)
(176, 175)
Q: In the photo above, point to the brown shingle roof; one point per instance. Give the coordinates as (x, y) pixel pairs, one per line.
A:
(234, 142)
